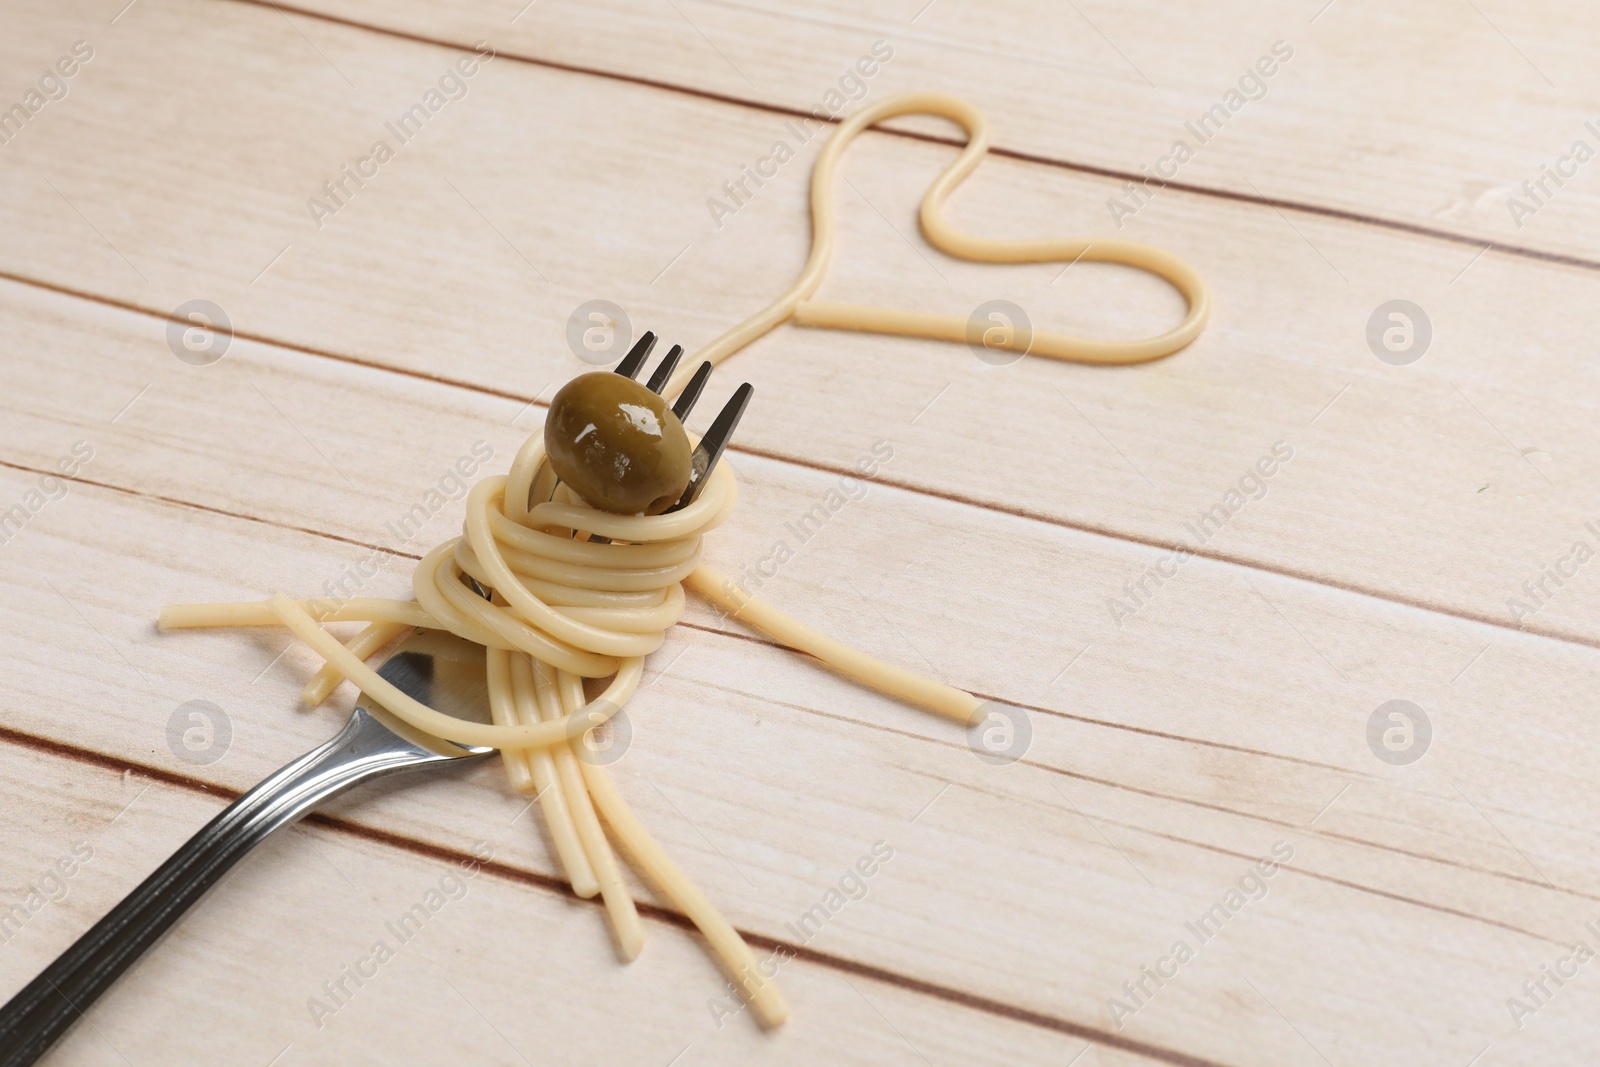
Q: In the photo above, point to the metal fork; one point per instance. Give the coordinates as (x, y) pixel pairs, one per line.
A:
(714, 443)
(711, 446)
(716, 440)
(437, 669)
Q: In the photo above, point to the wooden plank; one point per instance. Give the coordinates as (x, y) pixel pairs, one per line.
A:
(1485, 456)
(502, 972)
(1169, 752)
(1161, 766)
(1353, 120)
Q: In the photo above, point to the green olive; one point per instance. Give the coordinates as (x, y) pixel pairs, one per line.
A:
(617, 445)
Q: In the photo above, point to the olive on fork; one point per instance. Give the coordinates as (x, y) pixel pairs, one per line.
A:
(619, 446)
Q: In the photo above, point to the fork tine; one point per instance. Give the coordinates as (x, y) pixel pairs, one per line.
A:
(658, 380)
(713, 443)
(634, 360)
(691, 392)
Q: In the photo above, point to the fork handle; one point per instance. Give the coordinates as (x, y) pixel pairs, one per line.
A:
(49, 1005)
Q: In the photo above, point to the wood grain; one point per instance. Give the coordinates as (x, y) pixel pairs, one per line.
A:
(1173, 743)
(1485, 453)
(1029, 886)
(234, 982)
(1429, 120)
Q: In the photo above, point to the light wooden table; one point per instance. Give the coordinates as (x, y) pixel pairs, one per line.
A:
(1405, 552)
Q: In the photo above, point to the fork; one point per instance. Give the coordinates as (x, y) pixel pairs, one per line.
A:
(712, 445)
(437, 669)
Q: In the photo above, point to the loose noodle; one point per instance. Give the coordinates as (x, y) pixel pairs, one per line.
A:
(566, 608)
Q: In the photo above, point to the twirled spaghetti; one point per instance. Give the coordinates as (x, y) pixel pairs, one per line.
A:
(566, 607)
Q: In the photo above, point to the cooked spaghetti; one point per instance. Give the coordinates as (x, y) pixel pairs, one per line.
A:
(579, 593)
